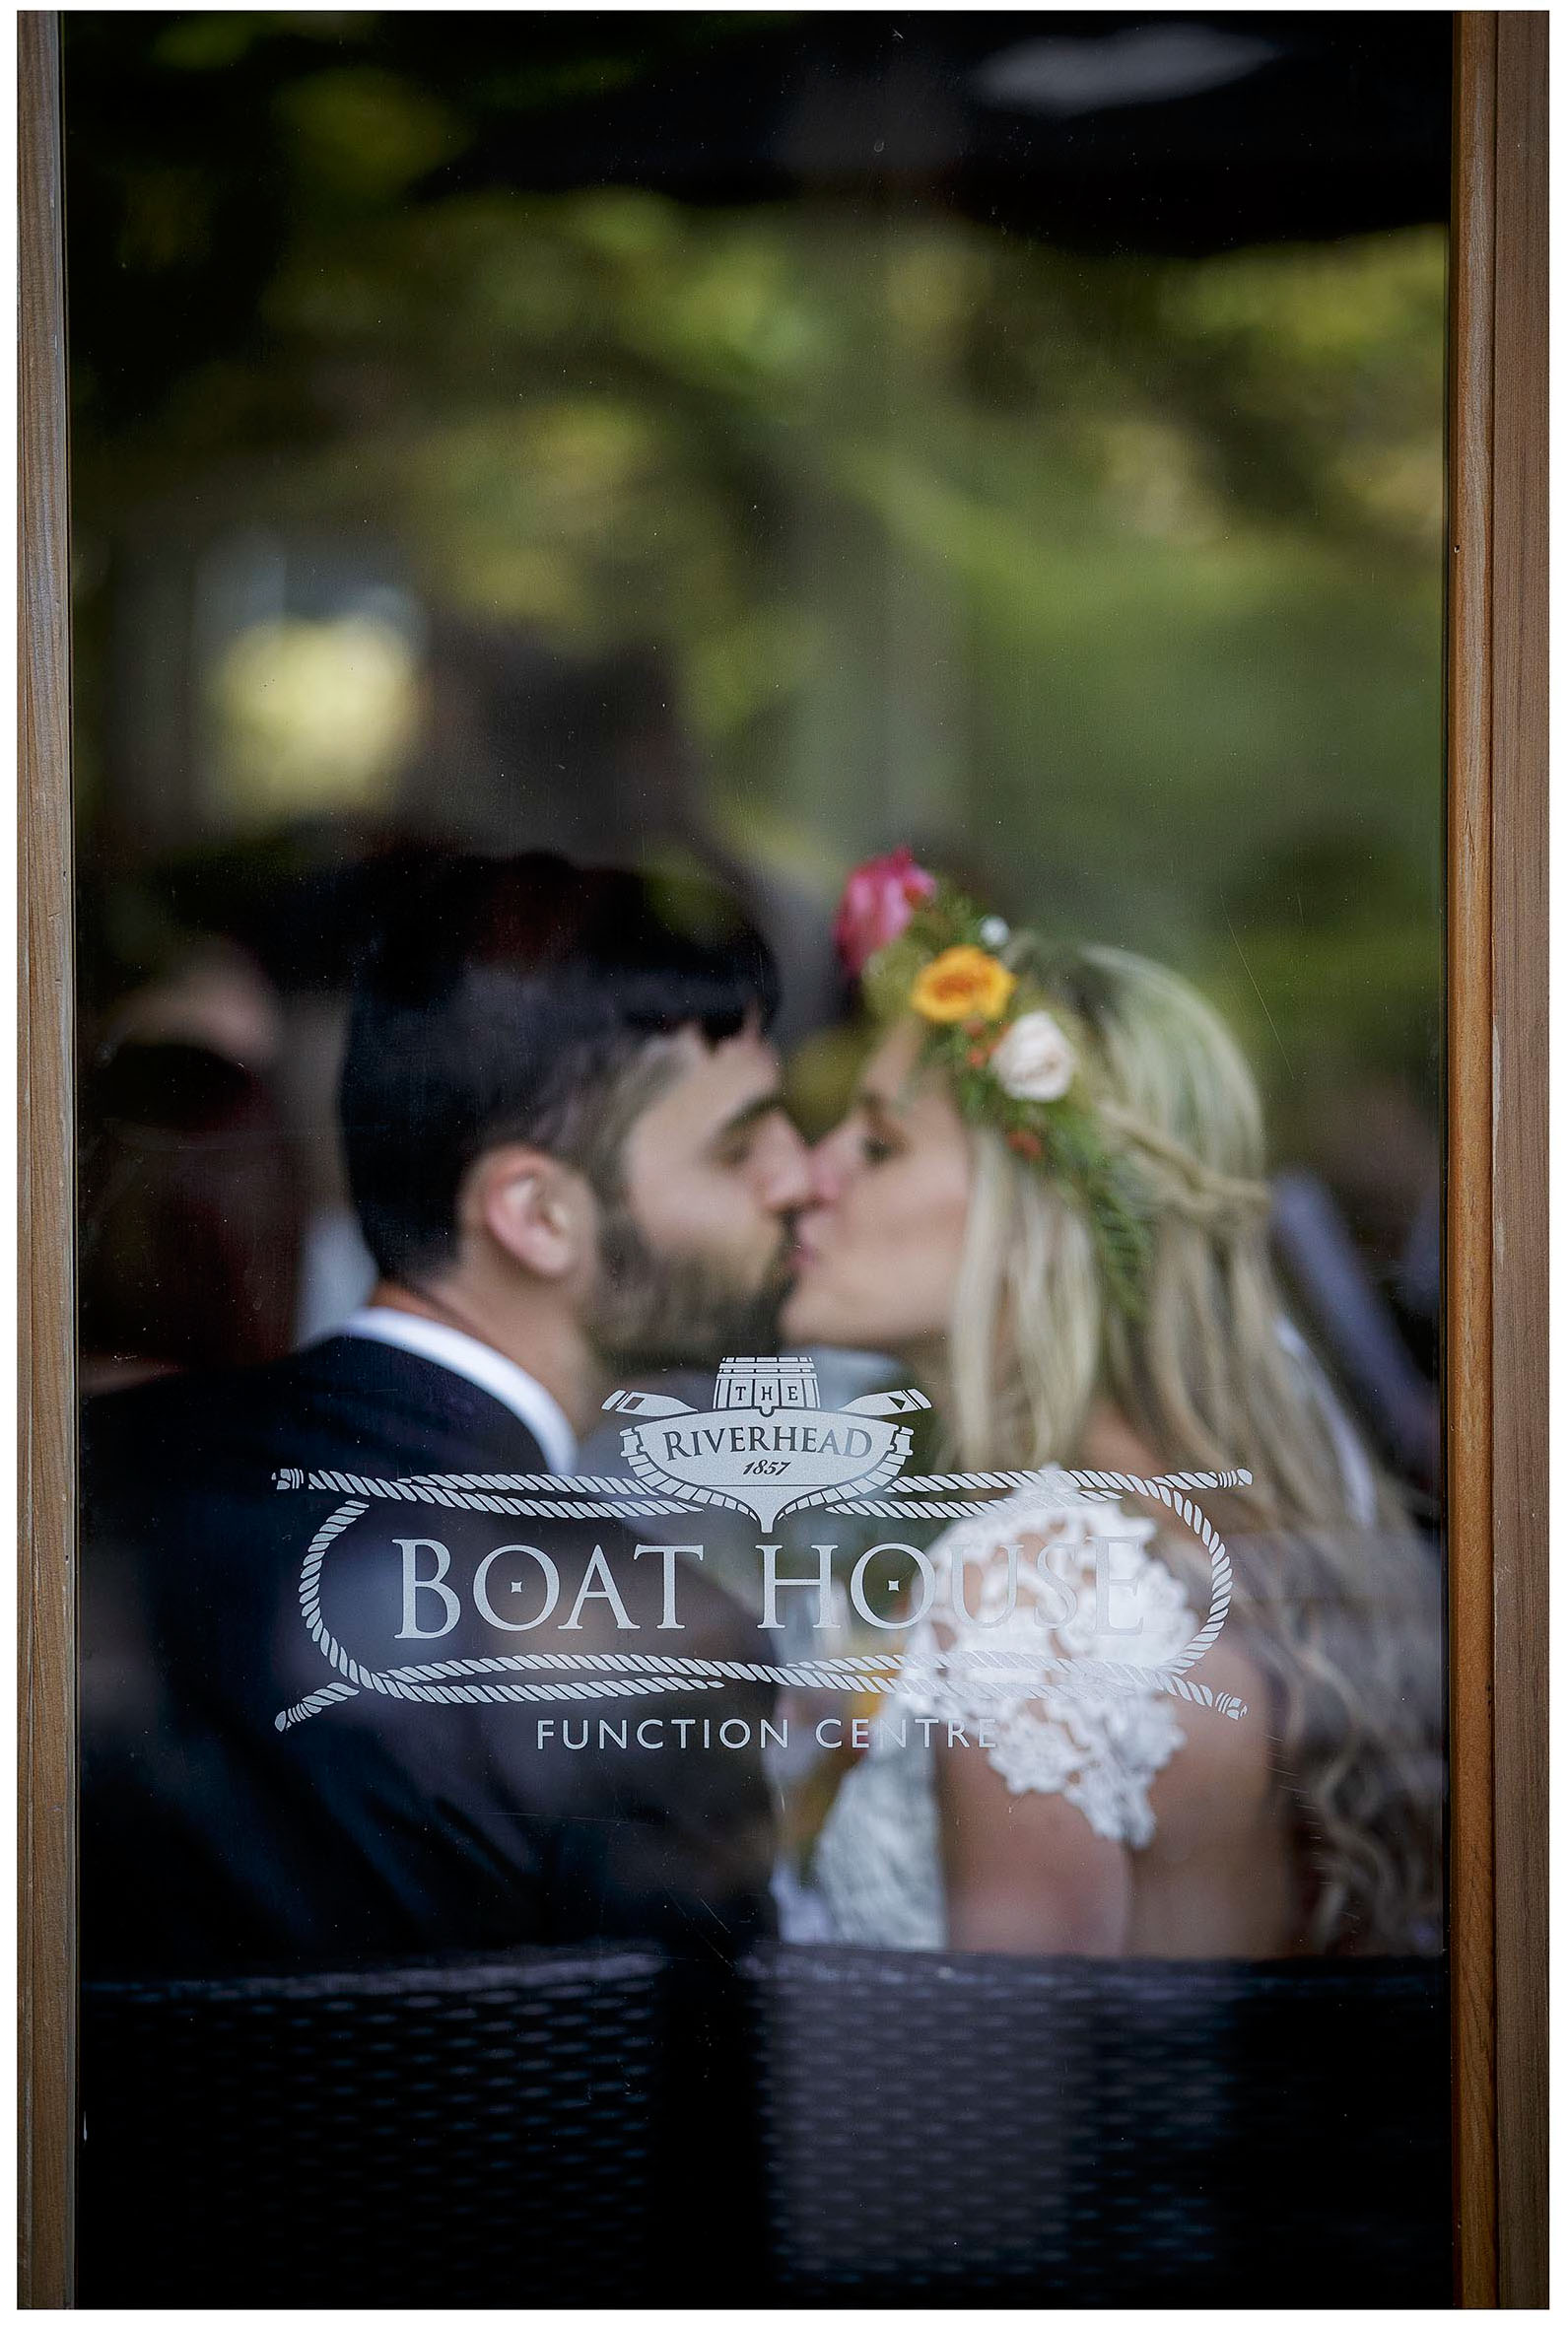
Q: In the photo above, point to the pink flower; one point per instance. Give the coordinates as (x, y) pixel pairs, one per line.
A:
(879, 901)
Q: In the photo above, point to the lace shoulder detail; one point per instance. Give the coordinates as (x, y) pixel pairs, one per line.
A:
(1031, 1596)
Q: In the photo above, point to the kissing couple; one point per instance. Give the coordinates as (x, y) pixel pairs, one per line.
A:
(565, 1133)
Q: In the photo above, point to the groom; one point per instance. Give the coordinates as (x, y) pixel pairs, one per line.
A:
(565, 1141)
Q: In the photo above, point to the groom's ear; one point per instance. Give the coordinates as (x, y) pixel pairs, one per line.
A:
(534, 1207)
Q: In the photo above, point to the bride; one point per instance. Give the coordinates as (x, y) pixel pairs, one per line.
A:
(1047, 1201)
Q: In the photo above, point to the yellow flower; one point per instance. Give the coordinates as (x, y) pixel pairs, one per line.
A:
(962, 982)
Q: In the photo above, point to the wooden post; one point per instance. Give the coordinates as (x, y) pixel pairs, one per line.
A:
(47, 1691)
(1496, 1205)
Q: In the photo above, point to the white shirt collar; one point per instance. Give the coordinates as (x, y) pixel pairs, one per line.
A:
(478, 1362)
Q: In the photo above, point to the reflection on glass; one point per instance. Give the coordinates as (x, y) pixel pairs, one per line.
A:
(995, 463)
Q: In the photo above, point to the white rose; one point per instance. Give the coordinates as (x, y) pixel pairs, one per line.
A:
(1034, 1059)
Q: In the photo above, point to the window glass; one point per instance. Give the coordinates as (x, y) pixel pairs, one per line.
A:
(759, 777)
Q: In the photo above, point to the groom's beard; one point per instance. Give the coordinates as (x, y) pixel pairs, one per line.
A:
(655, 1308)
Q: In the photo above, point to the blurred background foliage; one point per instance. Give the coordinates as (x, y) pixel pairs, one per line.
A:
(1110, 578)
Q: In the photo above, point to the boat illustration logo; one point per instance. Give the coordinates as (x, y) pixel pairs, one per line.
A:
(767, 1443)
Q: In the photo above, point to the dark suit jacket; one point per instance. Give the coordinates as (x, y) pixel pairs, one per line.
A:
(213, 1842)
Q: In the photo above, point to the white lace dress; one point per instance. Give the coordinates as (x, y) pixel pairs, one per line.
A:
(1049, 1578)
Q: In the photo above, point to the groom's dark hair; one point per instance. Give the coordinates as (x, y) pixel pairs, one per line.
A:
(507, 999)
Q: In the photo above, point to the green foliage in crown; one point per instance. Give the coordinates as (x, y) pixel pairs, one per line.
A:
(1018, 1061)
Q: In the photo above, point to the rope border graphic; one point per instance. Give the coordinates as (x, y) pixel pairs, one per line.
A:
(463, 1680)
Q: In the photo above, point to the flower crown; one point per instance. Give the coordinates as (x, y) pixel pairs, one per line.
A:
(916, 944)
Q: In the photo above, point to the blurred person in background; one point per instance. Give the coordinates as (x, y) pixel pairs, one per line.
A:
(1048, 1201)
(191, 1203)
(564, 1137)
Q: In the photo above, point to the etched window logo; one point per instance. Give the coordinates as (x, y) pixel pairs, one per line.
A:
(767, 1446)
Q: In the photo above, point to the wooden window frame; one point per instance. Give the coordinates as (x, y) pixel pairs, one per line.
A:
(1495, 1208)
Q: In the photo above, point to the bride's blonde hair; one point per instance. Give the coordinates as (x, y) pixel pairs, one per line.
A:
(1336, 1595)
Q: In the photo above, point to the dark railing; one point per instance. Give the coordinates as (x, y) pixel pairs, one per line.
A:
(810, 2124)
